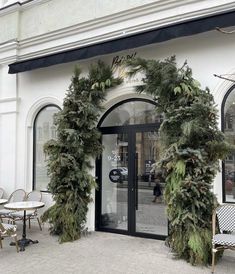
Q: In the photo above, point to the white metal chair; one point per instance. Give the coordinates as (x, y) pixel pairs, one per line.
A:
(30, 214)
(8, 230)
(226, 222)
(18, 195)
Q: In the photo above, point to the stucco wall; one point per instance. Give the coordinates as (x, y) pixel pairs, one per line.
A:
(52, 15)
(56, 14)
(9, 27)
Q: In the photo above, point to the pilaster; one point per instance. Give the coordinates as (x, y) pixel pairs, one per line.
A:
(8, 128)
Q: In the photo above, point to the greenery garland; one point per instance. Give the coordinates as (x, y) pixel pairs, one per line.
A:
(193, 145)
(69, 157)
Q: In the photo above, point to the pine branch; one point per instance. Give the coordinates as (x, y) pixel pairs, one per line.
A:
(69, 156)
(192, 146)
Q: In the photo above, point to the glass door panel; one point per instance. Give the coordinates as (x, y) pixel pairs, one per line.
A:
(149, 187)
(114, 192)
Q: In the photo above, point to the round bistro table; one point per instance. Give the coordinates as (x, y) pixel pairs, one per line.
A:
(27, 205)
(3, 201)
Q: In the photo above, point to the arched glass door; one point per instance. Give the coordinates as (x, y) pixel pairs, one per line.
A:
(126, 202)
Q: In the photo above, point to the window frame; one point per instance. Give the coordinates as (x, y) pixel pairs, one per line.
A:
(230, 90)
(106, 113)
(35, 141)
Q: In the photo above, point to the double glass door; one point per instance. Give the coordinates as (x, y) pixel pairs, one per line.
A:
(128, 201)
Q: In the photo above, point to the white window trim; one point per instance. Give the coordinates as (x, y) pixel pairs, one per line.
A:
(35, 108)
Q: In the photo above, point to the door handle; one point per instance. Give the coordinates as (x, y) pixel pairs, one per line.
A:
(136, 181)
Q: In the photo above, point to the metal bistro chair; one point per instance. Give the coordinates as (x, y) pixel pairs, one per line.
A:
(226, 222)
(8, 230)
(30, 214)
(18, 195)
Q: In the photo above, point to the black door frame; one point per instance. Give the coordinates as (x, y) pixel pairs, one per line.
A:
(131, 130)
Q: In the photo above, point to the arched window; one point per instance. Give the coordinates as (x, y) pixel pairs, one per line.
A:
(228, 127)
(131, 112)
(43, 130)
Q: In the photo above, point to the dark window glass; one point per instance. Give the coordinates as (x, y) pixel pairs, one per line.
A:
(44, 130)
(229, 130)
(131, 113)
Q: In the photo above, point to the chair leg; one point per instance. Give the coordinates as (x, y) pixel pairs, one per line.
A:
(29, 223)
(16, 241)
(213, 260)
(39, 224)
(0, 241)
(13, 221)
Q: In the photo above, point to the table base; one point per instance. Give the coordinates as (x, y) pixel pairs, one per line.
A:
(24, 242)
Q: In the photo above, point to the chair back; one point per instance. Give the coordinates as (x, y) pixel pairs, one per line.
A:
(226, 218)
(34, 196)
(2, 228)
(1, 192)
(18, 195)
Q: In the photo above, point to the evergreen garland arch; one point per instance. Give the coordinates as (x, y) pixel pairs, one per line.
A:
(69, 157)
(192, 146)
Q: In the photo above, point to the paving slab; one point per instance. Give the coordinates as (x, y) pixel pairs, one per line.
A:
(99, 252)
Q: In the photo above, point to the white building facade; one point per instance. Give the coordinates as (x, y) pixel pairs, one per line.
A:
(41, 41)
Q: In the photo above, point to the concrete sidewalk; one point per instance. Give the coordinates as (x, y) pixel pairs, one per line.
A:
(99, 253)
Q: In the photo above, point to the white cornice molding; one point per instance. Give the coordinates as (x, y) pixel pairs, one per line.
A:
(8, 60)
(9, 52)
(108, 20)
(9, 45)
(10, 9)
(28, 4)
(139, 19)
(135, 13)
(12, 99)
(20, 6)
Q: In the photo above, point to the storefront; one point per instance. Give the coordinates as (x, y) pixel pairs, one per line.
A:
(34, 79)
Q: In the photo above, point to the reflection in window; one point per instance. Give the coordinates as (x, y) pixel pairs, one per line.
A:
(53, 132)
(131, 113)
(44, 130)
(229, 130)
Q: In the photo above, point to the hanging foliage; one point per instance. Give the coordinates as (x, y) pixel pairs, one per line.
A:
(193, 145)
(69, 157)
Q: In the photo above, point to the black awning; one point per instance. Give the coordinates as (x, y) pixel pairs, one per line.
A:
(158, 35)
